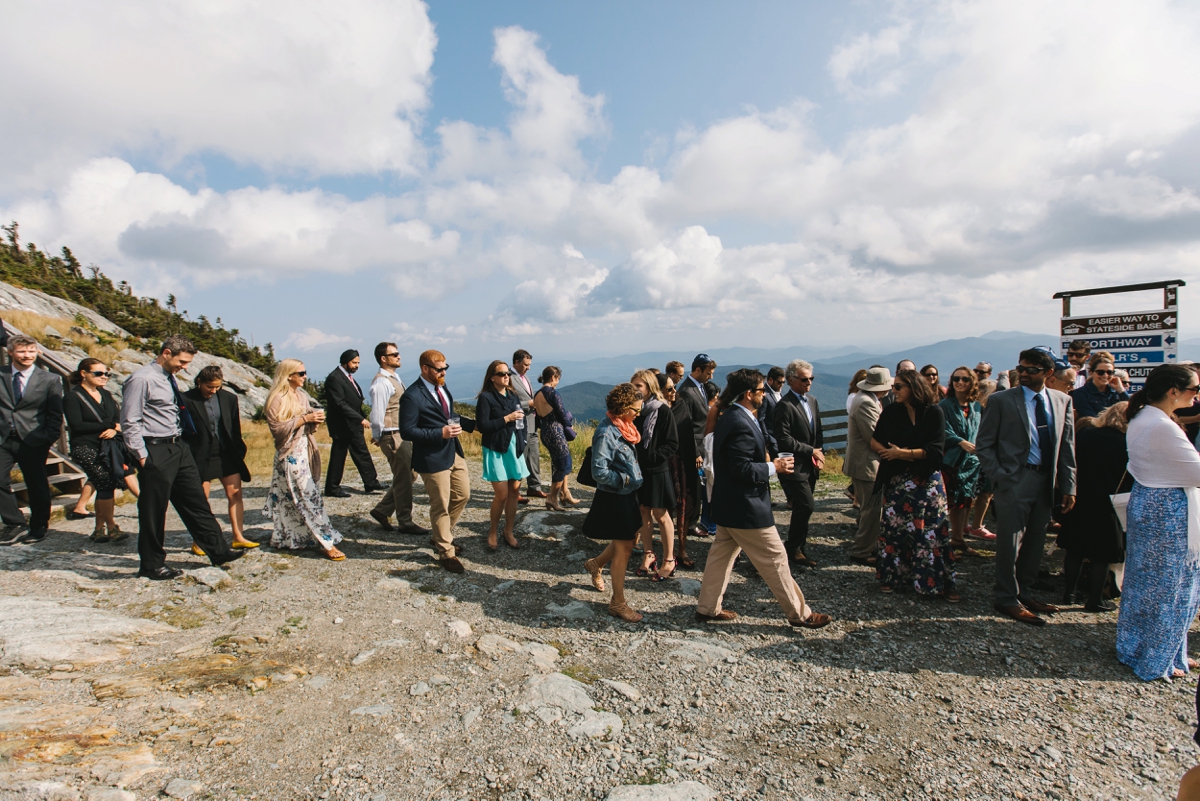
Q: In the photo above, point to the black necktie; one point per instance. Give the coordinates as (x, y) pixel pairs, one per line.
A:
(18, 390)
(1043, 428)
(185, 417)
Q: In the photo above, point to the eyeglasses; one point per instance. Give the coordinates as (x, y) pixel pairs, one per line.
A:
(1102, 372)
(961, 379)
(301, 373)
(1024, 368)
(100, 374)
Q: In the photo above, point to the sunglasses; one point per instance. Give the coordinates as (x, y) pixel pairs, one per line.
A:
(100, 374)
(961, 379)
(1102, 372)
(1024, 368)
(300, 373)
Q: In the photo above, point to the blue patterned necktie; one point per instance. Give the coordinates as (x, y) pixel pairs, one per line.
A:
(18, 390)
(1043, 428)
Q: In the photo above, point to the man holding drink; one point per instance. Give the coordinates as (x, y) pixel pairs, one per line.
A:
(428, 421)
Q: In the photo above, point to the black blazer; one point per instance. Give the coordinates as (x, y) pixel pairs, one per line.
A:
(766, 416)
(421, 423)
(231, 427)
(38, 418)
(343, 405)
(490, 411)
(693, 398)
(741, 495)
(82, 425)
(794, 434)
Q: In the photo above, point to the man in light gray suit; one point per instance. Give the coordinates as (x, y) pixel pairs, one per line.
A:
(861, 463)
(1026, 446)
(31, 415)
(521, 362)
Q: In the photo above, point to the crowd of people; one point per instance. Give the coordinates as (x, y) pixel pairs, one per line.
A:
(1056, 446)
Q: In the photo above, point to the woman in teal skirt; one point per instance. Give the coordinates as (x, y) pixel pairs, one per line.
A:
(499, 419)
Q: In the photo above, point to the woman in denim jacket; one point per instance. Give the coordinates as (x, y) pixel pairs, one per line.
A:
(615, 514)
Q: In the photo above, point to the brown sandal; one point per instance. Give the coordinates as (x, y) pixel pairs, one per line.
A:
(625, 612)
(597, 574)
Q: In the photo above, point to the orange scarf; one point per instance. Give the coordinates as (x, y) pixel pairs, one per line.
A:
(627, 428)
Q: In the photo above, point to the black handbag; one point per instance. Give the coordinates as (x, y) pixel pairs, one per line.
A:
(585, 470)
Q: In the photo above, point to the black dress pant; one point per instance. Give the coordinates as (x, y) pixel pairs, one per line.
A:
(170, 476)
(32, 461)
(800, 493)
(356, 446)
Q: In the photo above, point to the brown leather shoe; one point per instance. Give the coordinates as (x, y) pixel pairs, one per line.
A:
(1039, 607)
(452, 565)
(816, 620)
(537, 494)
(1020, 614)
(383, 521)
(724, 614)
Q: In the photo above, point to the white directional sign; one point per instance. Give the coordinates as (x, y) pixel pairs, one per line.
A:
(1138, 341)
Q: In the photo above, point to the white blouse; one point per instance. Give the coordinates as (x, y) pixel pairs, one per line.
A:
(1161, 456)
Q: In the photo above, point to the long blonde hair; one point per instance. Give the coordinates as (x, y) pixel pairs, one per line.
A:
(290, 404)
(650, 379)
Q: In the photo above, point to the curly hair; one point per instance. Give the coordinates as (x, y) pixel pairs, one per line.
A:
(622, 399)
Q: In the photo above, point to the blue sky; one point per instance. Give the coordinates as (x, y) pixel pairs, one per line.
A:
(584, 179)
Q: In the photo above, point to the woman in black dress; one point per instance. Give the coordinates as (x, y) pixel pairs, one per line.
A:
(615, 514)
(660, 441)
(1092, 531)
(93, 420)
(553, 421)
(217, 446)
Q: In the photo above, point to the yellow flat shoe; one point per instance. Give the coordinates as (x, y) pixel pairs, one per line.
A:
(196, 549)
(246, 544)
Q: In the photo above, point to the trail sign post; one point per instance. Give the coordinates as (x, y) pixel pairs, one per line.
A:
(1139, 341)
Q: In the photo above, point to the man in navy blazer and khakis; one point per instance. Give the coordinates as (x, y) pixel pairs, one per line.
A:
(425, 411)
(741, 508)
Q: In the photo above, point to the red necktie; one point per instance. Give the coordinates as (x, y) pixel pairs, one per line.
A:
(445, 406)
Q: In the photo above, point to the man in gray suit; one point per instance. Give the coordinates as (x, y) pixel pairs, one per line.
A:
(31, 415)
(862, 464)
(1026, 446)
(524, 390)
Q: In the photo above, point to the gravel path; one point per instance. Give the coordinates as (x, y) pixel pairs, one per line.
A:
(384, 677)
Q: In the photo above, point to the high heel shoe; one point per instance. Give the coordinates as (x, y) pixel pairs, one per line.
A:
(656, 576)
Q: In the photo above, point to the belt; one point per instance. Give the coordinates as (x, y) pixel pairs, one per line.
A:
(161, 440)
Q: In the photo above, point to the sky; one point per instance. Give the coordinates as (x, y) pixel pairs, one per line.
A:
(595, 179)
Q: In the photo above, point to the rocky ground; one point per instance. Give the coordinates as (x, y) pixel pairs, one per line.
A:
(383, 677)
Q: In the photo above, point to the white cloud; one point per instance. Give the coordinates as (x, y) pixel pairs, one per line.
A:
(311, 339)
(298, 86)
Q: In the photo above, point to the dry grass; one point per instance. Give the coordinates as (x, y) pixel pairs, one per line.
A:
(97, 344)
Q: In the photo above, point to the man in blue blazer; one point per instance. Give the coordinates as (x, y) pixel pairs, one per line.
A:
(426, 409)
(741, 507)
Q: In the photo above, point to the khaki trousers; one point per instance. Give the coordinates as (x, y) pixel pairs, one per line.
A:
(866, 540)
(448, 492)
(399, 499)
(767, 554)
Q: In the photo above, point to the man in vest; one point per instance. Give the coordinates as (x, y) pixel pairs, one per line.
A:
(386, 390)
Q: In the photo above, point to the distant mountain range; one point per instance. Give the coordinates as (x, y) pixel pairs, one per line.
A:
(586, 382)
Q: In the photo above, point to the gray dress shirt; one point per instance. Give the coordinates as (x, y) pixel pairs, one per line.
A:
(148, 408)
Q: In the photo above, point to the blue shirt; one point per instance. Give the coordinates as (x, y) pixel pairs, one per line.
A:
(1035, 449)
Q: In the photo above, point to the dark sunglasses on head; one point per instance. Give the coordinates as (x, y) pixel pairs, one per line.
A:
(1102, 372)
(961, 379)
(301, 372)
(1024, 368)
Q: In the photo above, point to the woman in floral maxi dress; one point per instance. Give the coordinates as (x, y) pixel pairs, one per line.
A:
(914, 539)
(294, 499)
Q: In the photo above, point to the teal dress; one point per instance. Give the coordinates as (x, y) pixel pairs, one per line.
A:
(960, 470)
(507, 466)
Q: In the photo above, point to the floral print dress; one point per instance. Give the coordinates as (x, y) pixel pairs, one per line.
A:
(294, 501)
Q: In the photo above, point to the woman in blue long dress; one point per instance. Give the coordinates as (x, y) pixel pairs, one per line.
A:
(498, 418)
(1161, 592)
(960, 465)
(553, 422)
